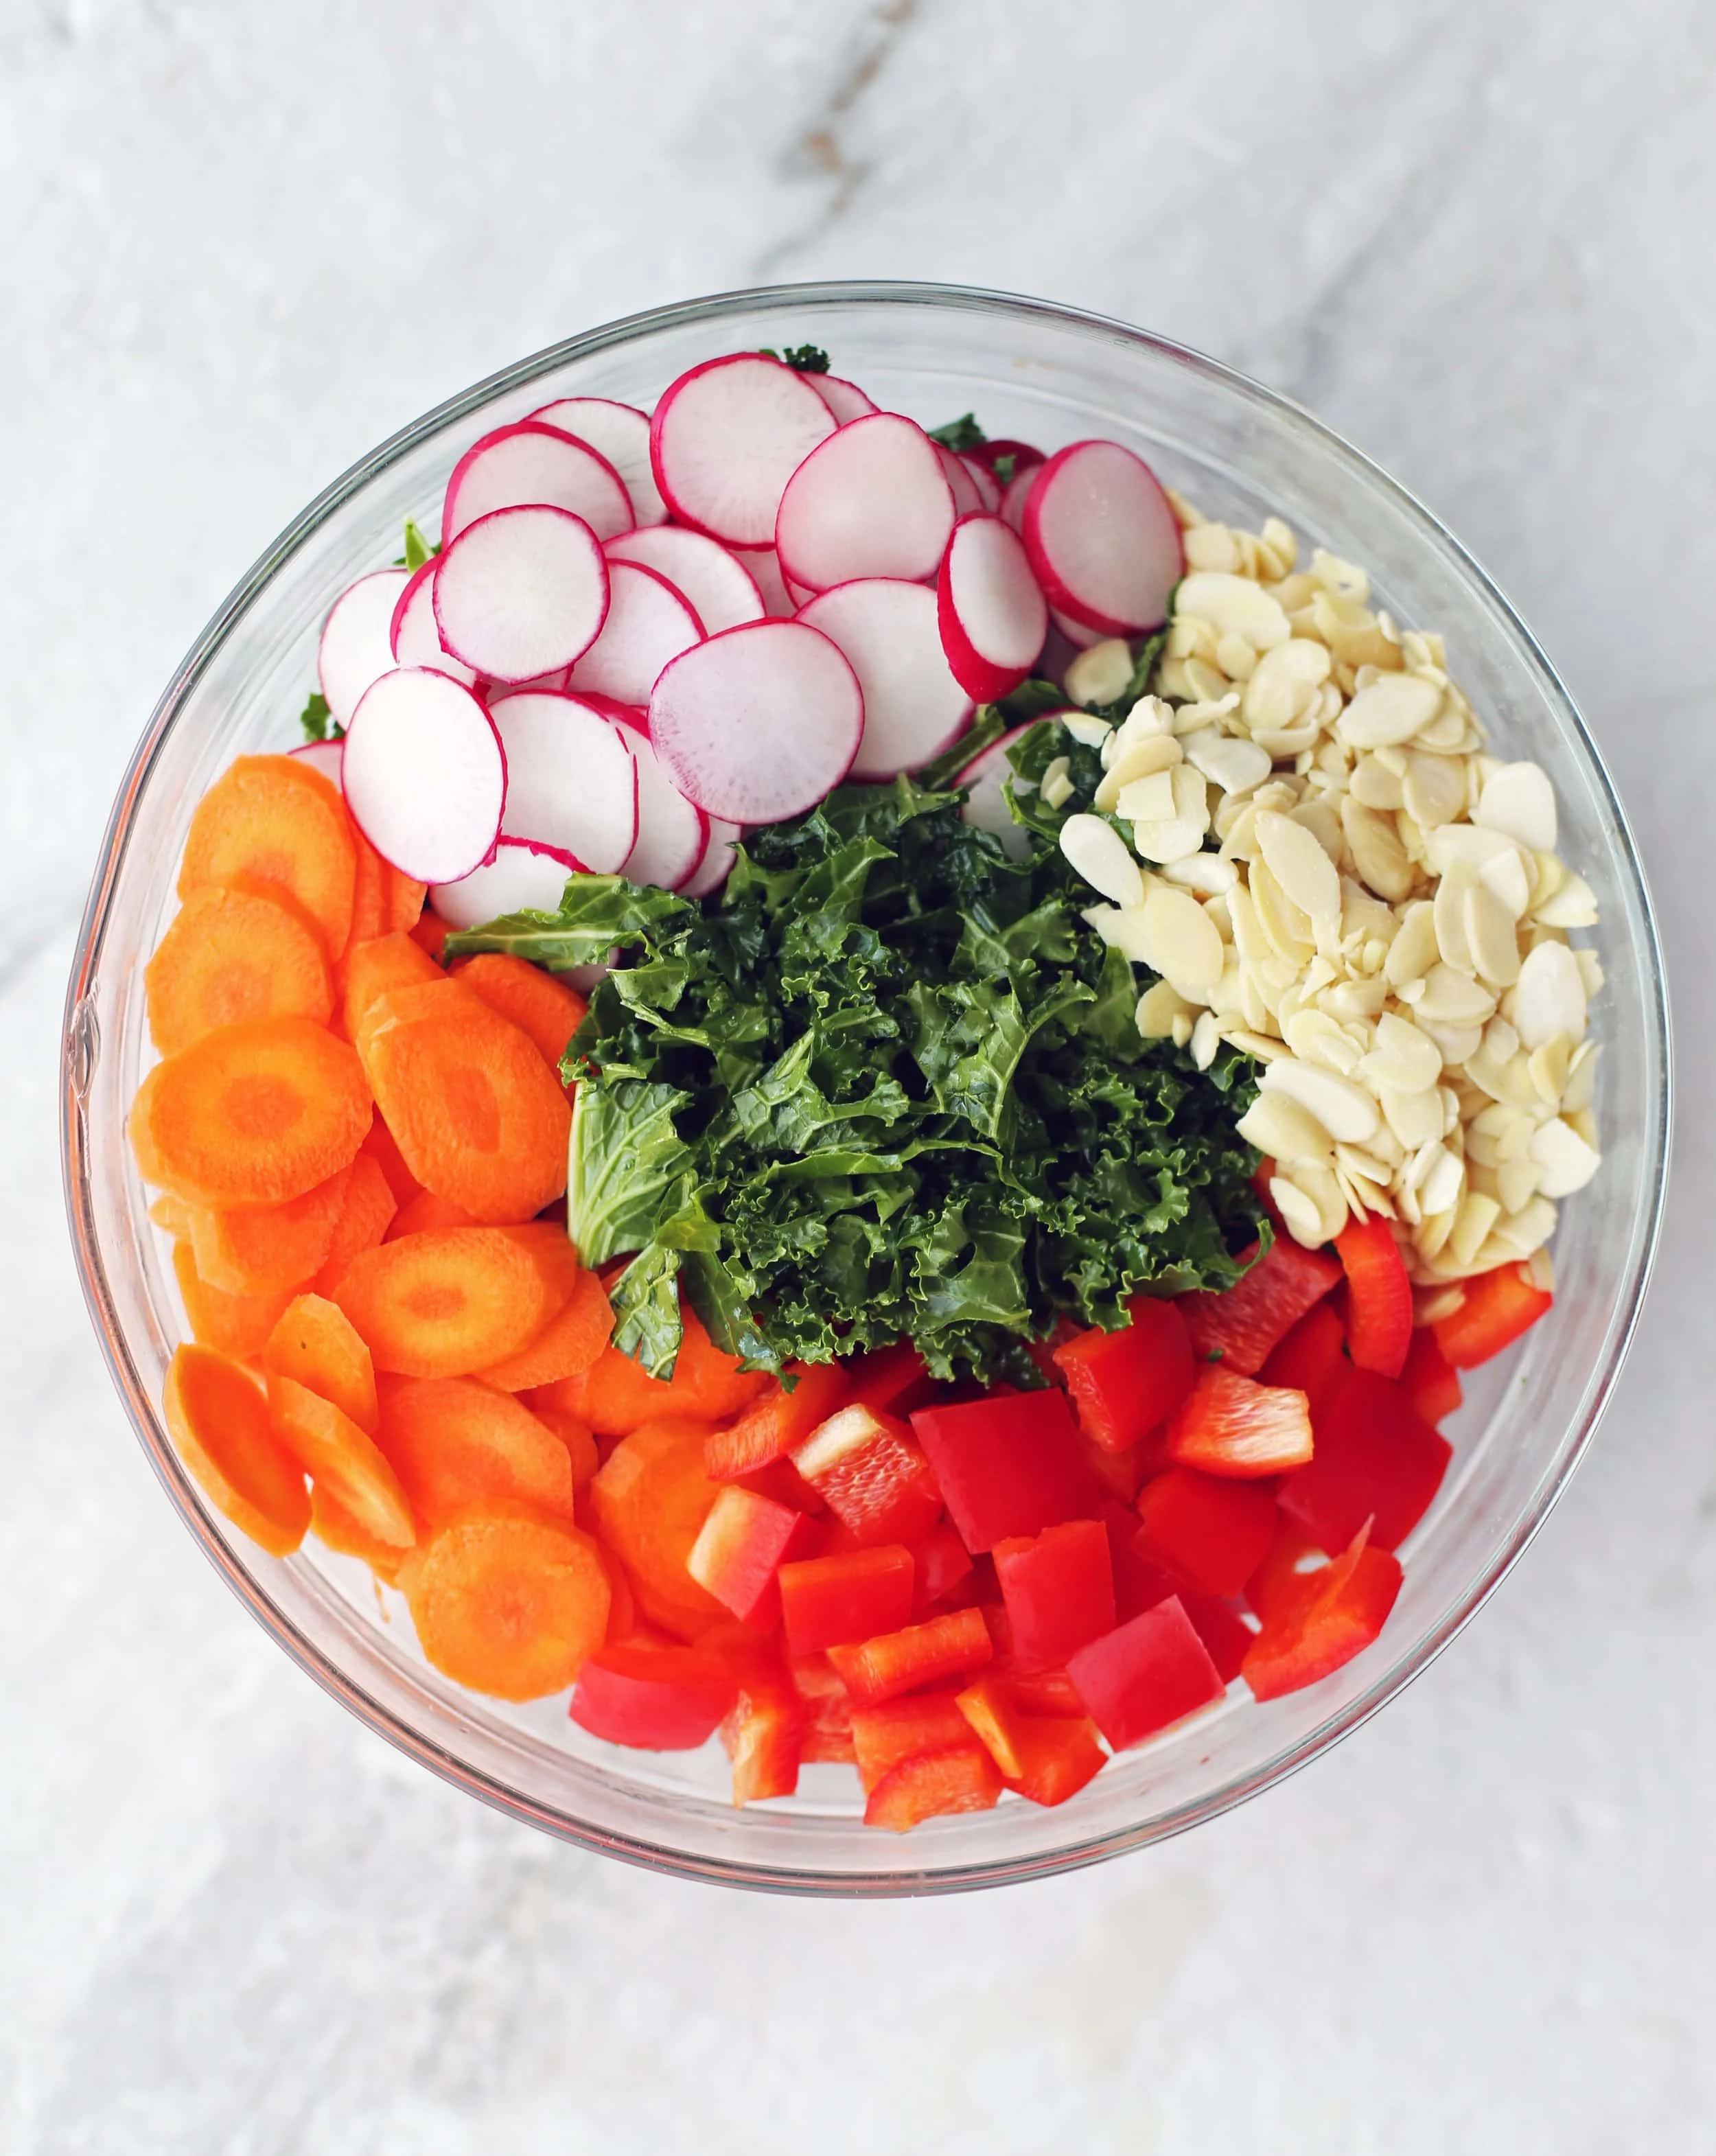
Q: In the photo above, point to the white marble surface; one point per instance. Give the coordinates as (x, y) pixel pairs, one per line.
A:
(238, 243)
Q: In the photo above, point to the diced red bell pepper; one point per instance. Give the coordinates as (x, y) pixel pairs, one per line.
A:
(762, 1733)
(1059, 1589)
(958, 1777)
(1140, 1582)
(1331, 1616)
(655, 1699)
(740, 1547)
(872, 1474)
(994, 1717)
(943, 1564)
(827, 1601)
(1042, 1352)
(1008, 1465)
(1208, 1530)
(1145, 1675)
(1312, 1359)
(1231, 1425)
(1053, 1693)
(827, 1710)
(1118, 1474)
(1057, 1756)
(1499, 1306)
(781, 1480)
(1379, 1296)
(774, 1423)
(897, 1729)
(1431, 1381)
(1283, 1568)
(1376, 1459)
(889, 1379)
(1124, 1383)
(1239, 1325)
(895, 1662)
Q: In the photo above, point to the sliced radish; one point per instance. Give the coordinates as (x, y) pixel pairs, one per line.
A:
(354, 649)
(1024, 454)
(673, 836)
(913, 707)
(621, 433)
(531, 463)
(844, 399)
(325, 757)
(759, 722)
(1103, 539)
(967, 496)
(991, 609)
(424, 775)
(521, 591)
(988, 488)
(1077, 634)
(800, 594)
(763, 565)
(649, 622)
(719, 587)
(416, 640)
(986, 804)
(521, 878)
(713, 870)
(726, 438)
(872, 501)
(1018, 494)
(571, 780)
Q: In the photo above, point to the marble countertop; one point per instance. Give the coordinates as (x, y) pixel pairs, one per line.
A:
(241, 243)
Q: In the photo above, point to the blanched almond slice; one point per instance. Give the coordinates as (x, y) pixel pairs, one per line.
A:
(1402, 1057)
(1415, 1118)
(1567, 1162)
(1573, 906)
(1377, 853)
(1549, 997)
(1235, 766)
(1184, 943)
(1450, 916)
(1390, 710)
(1096, 850)
(1233, 604)
(1303, 1220)
(1490, 936)
(1206, 874)
(1147, 799)
(1506, 875)
(1283, 683)
(1101, 674)
(1158, 1007)
(1345, 1111)
(1279, 1127)
(1137, 759)
(1434, 789)
(1519, 800)
(1296, 860)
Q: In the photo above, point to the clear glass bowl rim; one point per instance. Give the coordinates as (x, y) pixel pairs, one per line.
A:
(79, 1046)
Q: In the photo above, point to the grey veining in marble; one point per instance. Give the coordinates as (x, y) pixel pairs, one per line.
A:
(238, 244)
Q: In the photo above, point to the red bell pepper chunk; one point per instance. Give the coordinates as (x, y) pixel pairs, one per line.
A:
(1059, 1589)
(1208, 1530)
(655, 1699)
(1007, 1465)
(1327, 1618)
(892, 1379)
(1053, 1694)
(775, 1422)
(904, 1661)
(1431, 1381)
(1379, 1296)
(1119, 1475)
(1140, 1584)
(1232, 1425)
(1499, 1306)
(827, 1737)
(1124, 1384)
(826, 1601)
(1057, 1756)
(897, 1729)
(1312, 1359)
(1239, 1325)
(1285, 1564)
(781, 1480)
(763, 1732)
(958, 1778)
(943, 1564)
(739, 1548)
(871, 1472)
(1145, 1675)
(1376, 1459)
(994, 1718)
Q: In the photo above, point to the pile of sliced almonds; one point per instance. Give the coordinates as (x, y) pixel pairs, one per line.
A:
(1383, 919)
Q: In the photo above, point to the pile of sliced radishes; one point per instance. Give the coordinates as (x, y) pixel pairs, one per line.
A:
(646, 632)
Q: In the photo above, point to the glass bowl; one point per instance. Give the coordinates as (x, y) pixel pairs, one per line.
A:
(1048, 375)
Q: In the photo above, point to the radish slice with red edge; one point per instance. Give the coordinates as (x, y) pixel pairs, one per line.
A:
(521, 591)
(521, 878)
(913, 705)
(844, 399)
(416, 640)
(649, 622)
(993, 615)
(355, 649)
(425, 776)
(873, 500)
(988, 490)
(1103, 538)
(714, 581)
(968, 500)
(800, 594)
(1077, 634)
(725, 440)
(759, 722)
(673, 833)
(986, 804)
(763, 565)
(529, 464)
(571, 780)
(621, 433)
(325, 757)
(1022, 455)
(1017, 494)
(712, 872)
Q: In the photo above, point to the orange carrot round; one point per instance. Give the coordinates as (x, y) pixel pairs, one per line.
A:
(340, 1459)
(453, 1444)
(314, 1343)
(568, 1345)
(546, 1009)
(331, 1524)
(579, 1442)
(233, 954)
(507, 1602)
(277, 1247)
(444, 1302)
(384, 1149)
(252, 1116)
(364, 1216)
(274, 820)
(418, 1215)
(651, 1498)
(236, 1325)
(219, 1420)
(615, 1394)
(375, 967)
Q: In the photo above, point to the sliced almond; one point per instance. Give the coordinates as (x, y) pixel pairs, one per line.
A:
(1549, 998)
(1519, 800)
(1567, 1162)
(1345, 1111)
(1304, 1222)
(1490, 936)
(1158, 1007)
(1183, 944)
(1102, 674)
(1233, 765)
(1573, 905)
(1300, 865)
(1233, 604)
(1392, 709)
(1137, 759)
(1098, 853)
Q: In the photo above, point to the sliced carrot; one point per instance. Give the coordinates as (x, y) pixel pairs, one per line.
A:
(277, 1247)
(566, 1346)
(384, 1149)
(314, 1343)
(444, 1302)
(418, 1215)
(219, 1420)
(375, 967)
(252, 1116)
(580, 1444)
(236, 1325)
(430, 930)
(404, 903)
(479, 1116)
(274, 820)
(453, 1444)
(331, 1523)
(233, 954)
(507, 1602)
(363, 1220)
(173, 1216)
(651, 1498)
(615, 1394)
(546, 1009)
(341, 1460)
